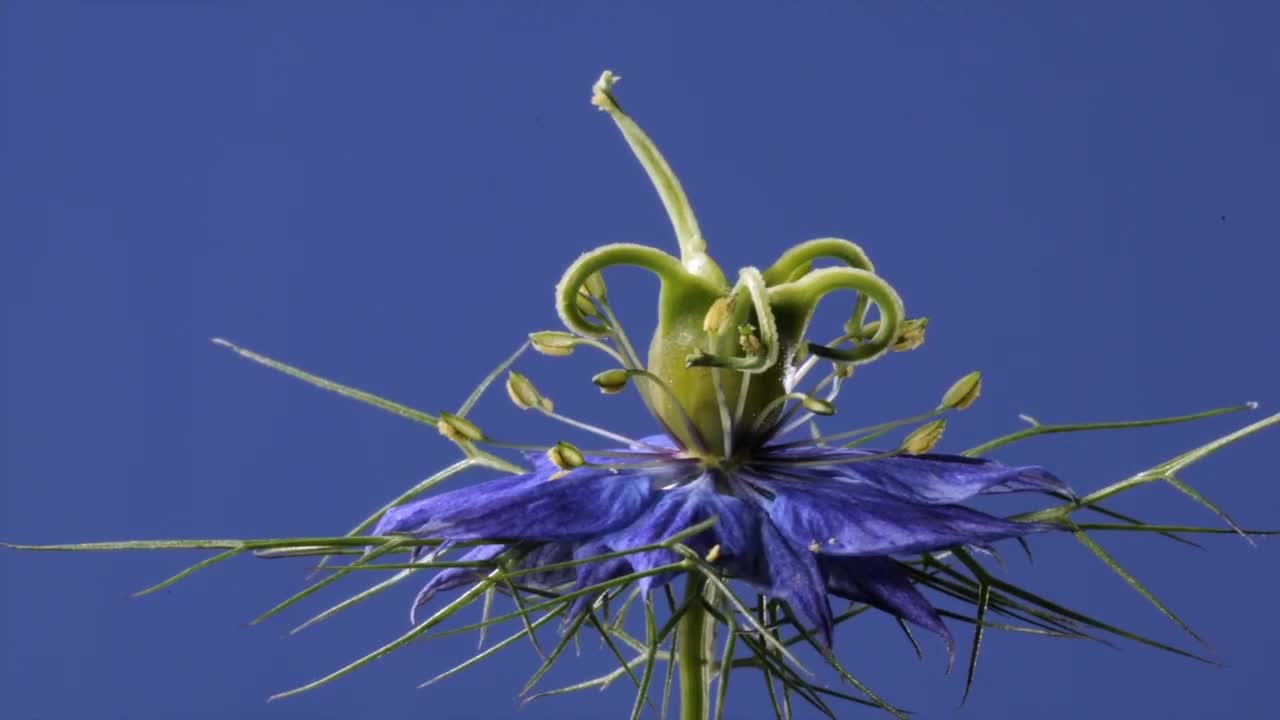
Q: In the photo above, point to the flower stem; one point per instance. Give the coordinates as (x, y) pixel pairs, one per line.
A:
(690, 651)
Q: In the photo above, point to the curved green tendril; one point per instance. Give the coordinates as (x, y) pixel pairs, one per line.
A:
(801, 256)
(667, 268)
(802, 295)
(797, 262)
(693, 249)
(753, 284)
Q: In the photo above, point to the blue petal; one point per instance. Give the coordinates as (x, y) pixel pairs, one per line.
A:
(881, 583)
(843, 518)
(547, 554)
(931, 478)
(594, 573)
(681, 507)
(735, 531)
(676, 510)
(790, 573)
(450, 578)
(584, 503)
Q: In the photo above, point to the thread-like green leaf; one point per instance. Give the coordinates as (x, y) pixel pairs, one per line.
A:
(215, 559)
(902, 625)
(726, 662)
(358, 597)
(440, 616)
(1134, 521)
(1133, 582)
(488, 652)
(979, 625)
(836, 665)
(650, 634)
(350, 392)
(478, 392)
(712, 577)
(324, 582)
(568, 634)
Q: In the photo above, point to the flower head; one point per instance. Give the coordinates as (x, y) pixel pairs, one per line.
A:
(728, 494)
(798, 521)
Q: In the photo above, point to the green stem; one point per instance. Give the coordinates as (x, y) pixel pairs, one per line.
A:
(689, 645)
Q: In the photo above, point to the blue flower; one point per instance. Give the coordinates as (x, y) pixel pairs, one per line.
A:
(795, 522)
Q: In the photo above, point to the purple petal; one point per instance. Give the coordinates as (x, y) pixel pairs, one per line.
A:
(735, 530)
(592, 574)
(450, 578)
(581, 504)
(934, 478)
(546, 554)
(841, 518)
(790, 573)
(881, 583)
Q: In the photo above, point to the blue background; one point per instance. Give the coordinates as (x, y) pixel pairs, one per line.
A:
(1082, 198)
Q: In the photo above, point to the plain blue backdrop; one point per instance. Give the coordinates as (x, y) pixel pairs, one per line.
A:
(1082, 196)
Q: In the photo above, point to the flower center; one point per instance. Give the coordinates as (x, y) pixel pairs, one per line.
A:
(724, 360)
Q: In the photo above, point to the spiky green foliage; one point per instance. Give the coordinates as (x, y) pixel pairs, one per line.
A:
(757, 636)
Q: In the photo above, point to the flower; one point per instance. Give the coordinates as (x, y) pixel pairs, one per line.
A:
(723, 493)
(796, 522)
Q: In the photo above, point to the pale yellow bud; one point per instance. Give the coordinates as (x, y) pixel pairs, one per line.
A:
(595, 285)
(553, 342)
(963, 392)
(911, 335)
(611, 382)
(817, 406)
(458, 429)
(565, 456)
(924, 438)
(525, 395)
(583, 301)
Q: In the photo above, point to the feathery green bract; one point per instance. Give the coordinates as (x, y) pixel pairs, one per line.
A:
(765, 650)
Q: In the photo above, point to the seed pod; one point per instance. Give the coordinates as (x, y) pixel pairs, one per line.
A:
(963, 392)
(924, 438)
(553, 342)
(611, 382)
(525, 395)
